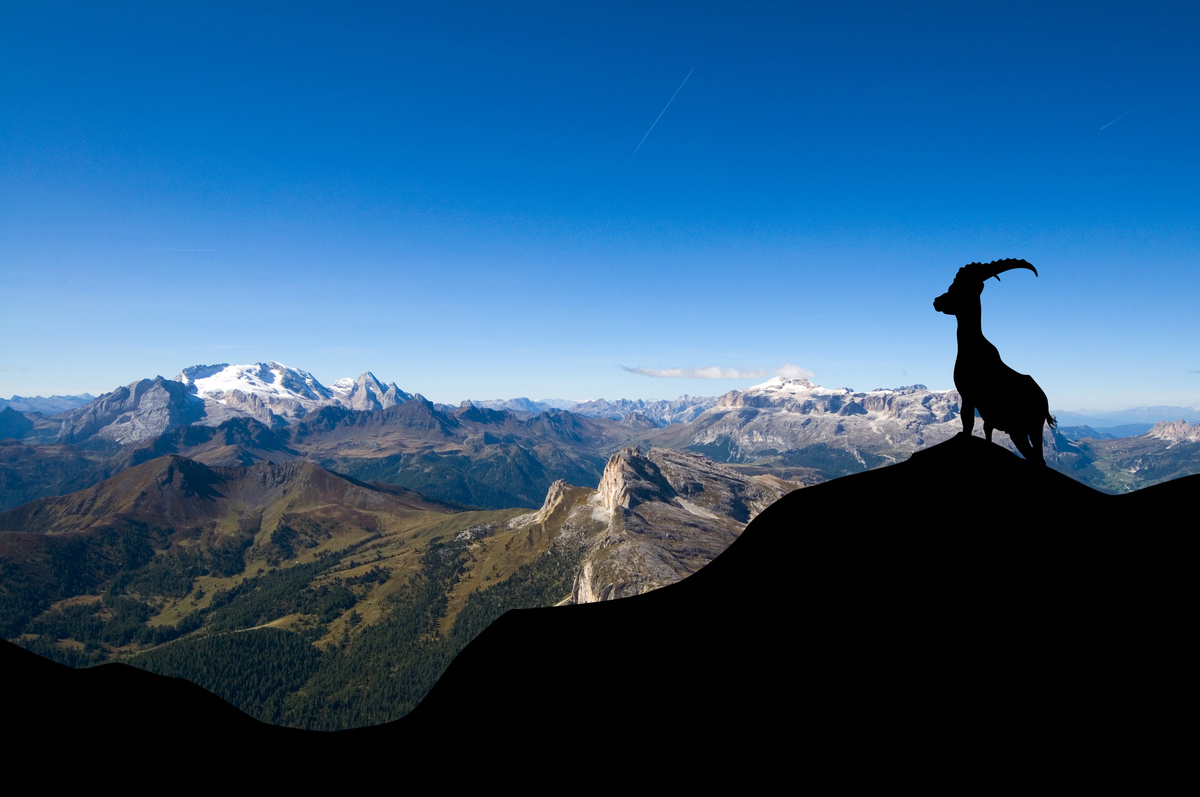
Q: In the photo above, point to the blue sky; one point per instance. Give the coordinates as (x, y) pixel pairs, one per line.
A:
(448, 194)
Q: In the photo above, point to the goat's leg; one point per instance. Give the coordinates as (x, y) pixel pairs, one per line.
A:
(987, 430)
(1035, 444)
(968, 416)
(1029, 448)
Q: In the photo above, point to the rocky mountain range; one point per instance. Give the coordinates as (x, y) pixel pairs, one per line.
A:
(795, 422)
(474, 454)
(271, 393)
(660, 412)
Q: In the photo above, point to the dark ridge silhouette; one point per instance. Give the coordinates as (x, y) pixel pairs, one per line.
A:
(13, 424)
(1006, 400)
(924, 620)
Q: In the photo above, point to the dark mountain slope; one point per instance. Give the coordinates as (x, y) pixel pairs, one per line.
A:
(961, 605)
(963, 612)
(34, 471)
(237, 441)
(14, 424)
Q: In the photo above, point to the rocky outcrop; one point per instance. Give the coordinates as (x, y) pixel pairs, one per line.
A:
(655, 518)
(367, 393)
(666, 514)
(234, 403)
(631, 479)
(556, 497)
(136, 412)
(1176, 431)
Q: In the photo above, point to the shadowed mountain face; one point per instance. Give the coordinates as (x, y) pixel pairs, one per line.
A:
(963, 606)
(13, 424)
(471, 455)
(35, 471)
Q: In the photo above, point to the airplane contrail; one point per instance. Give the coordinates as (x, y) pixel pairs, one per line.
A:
(664, 110)
(1122, 116)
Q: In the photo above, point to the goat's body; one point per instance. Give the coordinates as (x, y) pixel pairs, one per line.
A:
(1006, 400)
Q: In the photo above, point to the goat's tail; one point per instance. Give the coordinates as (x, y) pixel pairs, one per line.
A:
(1051, 420)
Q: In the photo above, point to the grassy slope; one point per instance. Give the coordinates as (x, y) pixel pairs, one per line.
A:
(352, 576)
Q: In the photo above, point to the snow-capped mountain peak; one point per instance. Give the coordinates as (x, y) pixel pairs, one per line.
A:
(783, 384)
(272, 380)
(272, 388)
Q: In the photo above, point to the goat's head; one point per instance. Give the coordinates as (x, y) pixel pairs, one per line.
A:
(968, 283)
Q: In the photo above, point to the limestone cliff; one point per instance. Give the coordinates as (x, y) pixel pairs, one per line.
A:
(1176, 431)
(136, 412)
(654, 519)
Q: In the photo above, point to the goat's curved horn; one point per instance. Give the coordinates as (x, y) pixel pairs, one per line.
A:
(985, 271)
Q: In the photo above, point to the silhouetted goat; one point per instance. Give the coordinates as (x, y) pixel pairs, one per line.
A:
(1006, 400)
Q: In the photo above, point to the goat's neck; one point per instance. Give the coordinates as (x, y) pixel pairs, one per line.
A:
(970, 333)
(970, 325)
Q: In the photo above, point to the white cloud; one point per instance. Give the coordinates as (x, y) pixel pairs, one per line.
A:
(712, 372)
(793, 372)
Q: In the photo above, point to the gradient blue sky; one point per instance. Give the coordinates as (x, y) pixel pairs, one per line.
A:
(447, 194)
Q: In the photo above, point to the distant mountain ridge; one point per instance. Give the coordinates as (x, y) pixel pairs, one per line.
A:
(47, 405)
(773, 423)
(271, 393)
(503, 453)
